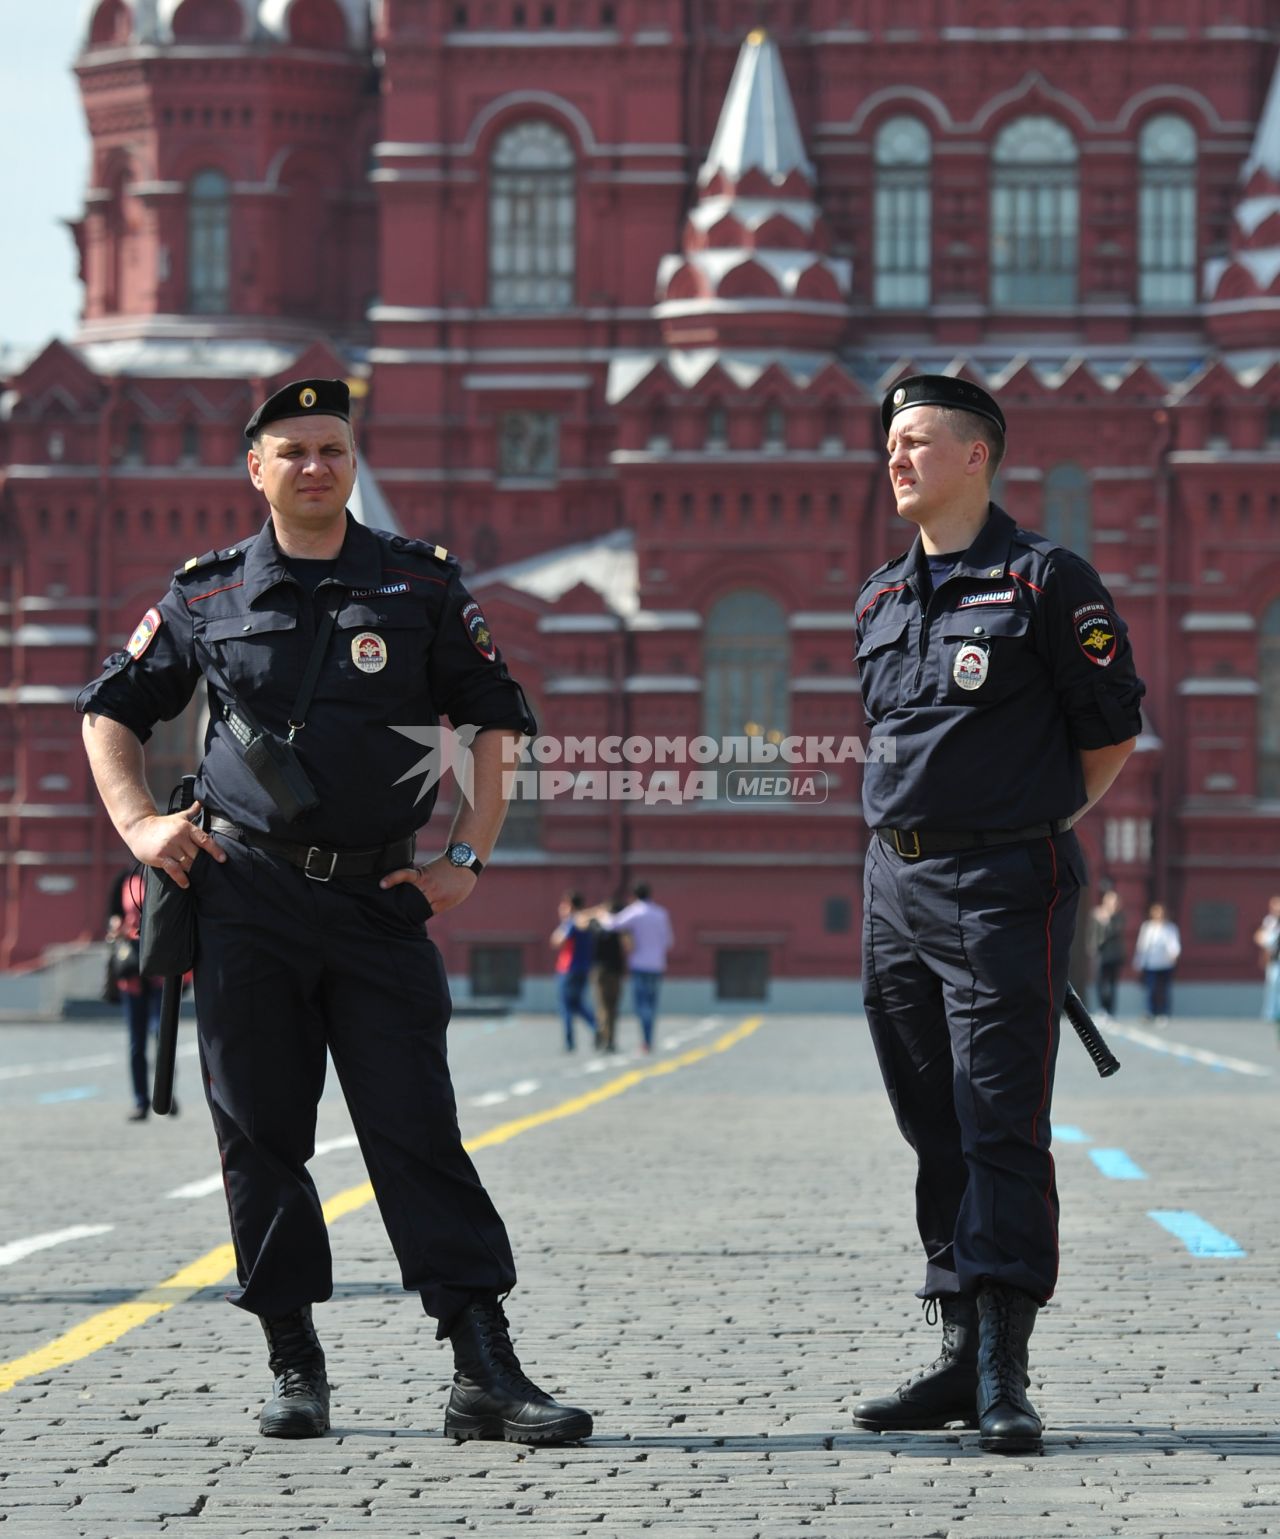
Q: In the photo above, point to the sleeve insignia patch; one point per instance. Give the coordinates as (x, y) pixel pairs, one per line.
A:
(479, 632)
(1096, 633)
(145, 634)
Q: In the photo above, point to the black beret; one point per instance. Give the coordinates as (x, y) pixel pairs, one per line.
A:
(302, 398)
(939, 390)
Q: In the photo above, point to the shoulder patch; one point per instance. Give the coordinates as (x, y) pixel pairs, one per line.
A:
(477, 629)
(1096, 633)
(144, 634)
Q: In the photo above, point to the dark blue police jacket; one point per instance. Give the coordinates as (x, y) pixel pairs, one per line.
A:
(410, 645)
(986, 689)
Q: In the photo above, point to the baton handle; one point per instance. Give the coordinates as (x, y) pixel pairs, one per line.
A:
(167, 1046)
(1075, 1010)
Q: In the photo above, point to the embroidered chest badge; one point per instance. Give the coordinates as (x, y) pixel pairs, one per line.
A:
(144, 635)
(1096, 633)
(970, 665)
(369, 652)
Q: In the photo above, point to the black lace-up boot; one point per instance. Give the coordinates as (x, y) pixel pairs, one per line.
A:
(946, 1390)
(491, 1397)
(299, 1405)
(1007, 1421)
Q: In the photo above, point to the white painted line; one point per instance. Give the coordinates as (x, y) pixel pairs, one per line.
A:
(210, 1184)
(525, 1086)
(61, 1065)
(17, 1249)
(596, 1066)
(1162, 1044)
(490, 1098)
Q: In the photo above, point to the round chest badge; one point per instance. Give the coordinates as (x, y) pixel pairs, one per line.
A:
(369, 652)
(969, 669)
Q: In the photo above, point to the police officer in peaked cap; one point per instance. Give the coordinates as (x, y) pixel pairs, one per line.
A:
(315, 641)
(994, 664)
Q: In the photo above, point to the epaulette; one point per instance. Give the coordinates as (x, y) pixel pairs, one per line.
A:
(881, 570)
(1033, 540)
(208, 559)
(403, 544)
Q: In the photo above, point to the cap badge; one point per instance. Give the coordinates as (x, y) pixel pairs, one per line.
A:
(369, 652)
(307, 398)
(899, 396)
(969, 669)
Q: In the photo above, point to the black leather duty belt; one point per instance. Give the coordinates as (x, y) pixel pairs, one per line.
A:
(914, 843)
(314, 860)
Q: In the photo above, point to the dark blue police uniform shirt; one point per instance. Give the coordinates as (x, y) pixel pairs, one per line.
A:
(409, 645)
(988, 686)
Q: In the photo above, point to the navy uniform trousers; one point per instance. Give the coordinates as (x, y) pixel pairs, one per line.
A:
(965, 971)
(288, 967)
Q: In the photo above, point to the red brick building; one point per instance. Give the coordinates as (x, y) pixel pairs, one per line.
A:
(620, 284)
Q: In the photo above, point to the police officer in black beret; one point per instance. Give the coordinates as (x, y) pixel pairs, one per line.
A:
(316, 640)
(994, 664)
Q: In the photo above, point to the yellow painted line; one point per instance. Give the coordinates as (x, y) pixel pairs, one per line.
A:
(108, 1325)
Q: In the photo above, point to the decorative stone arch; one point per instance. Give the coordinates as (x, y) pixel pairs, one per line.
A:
(516, 106)
(323, 24)
(1033, 96)
(203, 21)
(1168, 97)
(111, 24)
(901, 101)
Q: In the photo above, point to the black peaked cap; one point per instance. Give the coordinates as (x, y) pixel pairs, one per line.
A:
(940, 390)
(302, 398)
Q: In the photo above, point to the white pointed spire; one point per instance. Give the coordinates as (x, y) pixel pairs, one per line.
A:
(1265, 154)
(757, 128)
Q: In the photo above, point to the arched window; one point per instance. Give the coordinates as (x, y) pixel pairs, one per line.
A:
(209, 243)
(1035, 215)
(1068, 515)
(902, 249)
(1167, 213)
(112, 24)
(1269, 703)
(531, 219)
(746, 661)
(198, 21)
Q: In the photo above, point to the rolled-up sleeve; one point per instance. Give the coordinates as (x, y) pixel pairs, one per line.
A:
(153, 677)
(1086, 646)
(470, 683)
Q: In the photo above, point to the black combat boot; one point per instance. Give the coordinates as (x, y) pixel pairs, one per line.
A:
(947, 1389)
(299, 1406)
(1007, 1421)
(491, 1397)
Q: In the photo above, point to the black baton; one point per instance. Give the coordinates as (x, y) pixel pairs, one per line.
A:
(167, 1046)
(1075, 1010)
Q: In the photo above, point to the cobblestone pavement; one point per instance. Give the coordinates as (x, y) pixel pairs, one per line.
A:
(718, 1260)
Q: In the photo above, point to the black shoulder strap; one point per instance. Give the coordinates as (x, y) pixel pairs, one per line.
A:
(298, 714)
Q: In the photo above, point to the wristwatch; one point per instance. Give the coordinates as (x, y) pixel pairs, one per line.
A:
(463, 856)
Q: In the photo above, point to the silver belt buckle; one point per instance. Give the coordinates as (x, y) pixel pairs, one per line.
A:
(315, 876)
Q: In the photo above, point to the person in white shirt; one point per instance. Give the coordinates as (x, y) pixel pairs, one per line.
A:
(1155, 957)
(649, 926)
(1267, 939)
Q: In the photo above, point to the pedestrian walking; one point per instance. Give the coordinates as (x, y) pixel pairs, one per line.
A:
(995, 668)
(574, 945)
(1155, 957)
(608, 969)
(1107, 948)
(648, 925)
(313, 641)
(1267, 939)
(138, 995)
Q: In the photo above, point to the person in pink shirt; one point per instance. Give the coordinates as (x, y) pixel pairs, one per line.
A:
(649, 927)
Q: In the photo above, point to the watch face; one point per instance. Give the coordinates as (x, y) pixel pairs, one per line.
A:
(461, 854)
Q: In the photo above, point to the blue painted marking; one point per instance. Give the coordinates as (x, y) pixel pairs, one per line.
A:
(1200, 1238)
(1070, 1135)
(78, 1093)
(1117, 1164)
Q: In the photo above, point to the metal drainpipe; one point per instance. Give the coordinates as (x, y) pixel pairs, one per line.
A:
(1169, 782)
